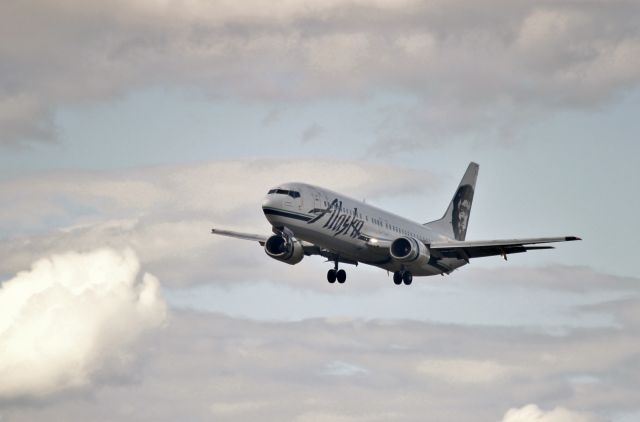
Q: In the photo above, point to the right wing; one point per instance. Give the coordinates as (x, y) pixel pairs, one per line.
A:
(480, 248)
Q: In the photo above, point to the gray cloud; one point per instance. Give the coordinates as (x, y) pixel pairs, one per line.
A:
(271, 117)
(25, 118)
(311, 133)
(466, 64)
(574, 279)
(166, 214)
(212, 366)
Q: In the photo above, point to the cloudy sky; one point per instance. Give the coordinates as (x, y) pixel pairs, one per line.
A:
(129, 129)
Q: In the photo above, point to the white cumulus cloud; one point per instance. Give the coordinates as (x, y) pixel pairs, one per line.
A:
(71, 316)
(532, 413)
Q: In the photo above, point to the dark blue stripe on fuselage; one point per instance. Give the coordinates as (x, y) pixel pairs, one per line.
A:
(281, 213)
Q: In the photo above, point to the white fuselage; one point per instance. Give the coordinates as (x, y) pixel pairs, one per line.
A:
(347, 226)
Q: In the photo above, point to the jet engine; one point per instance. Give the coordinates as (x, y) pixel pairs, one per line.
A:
(409, 251)
(289, 251)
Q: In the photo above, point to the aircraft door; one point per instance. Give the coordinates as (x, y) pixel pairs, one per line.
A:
(317, 200)
(299, 201)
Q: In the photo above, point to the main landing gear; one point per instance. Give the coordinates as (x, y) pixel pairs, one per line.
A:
(333, 275)
(402, 276)
(336, 274)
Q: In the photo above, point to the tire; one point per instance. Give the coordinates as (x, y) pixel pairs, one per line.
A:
(397, 278)
(342, 276)
(407, 277)
(331, 276)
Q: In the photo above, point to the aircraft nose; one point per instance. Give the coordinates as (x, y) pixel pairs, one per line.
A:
(272, 201)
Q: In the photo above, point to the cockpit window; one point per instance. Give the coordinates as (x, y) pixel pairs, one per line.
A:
(291, 193)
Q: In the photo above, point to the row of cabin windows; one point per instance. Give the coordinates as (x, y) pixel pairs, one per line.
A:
(380, 223)
(291, 193)
(348, 211)
(376, 221)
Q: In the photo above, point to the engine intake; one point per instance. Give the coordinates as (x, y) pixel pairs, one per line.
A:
(277, 248)
(409, 251)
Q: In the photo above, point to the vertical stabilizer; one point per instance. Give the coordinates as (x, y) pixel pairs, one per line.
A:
(454, 222)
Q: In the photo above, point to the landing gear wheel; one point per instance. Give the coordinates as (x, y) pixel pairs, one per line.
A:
(331, 276)
(342, 276)
(407, 277)
(397, 278)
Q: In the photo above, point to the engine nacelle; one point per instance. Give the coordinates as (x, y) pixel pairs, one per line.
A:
(409, 251)
(277, 248)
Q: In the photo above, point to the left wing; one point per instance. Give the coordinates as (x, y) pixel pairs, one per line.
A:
(238, 235)
(479, 248)
(309, 248)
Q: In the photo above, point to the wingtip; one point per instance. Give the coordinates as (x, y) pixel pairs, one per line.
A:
(570, 238)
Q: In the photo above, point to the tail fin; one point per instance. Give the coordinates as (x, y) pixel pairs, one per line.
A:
(455, 220)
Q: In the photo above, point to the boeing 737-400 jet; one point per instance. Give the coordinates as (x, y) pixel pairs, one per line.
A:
(309, 220)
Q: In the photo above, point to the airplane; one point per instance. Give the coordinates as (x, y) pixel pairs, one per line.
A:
(309, 220)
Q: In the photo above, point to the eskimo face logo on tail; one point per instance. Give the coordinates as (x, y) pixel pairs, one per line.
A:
(461, 211)
(339, 221)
